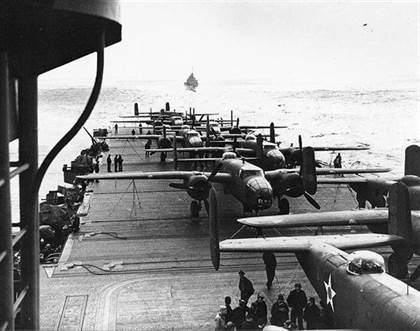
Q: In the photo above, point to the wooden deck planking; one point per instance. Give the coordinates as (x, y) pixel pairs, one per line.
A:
(166, 280)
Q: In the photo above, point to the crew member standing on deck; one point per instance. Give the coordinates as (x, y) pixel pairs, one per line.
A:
(270, 267)
(116, 128)
(133, 132)
(140, 129)
(337, 161)
(108, 162)
(246, 288)
(297, 302)
(120, 162)
(116, 163)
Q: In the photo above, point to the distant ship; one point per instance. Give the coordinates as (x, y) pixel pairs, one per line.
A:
(191, 83)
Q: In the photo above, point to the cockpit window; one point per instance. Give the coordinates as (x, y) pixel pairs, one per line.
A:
(250, 137)
(250, 172)
(365, 262)
(228, 155)
(269, 147)
(192, 134)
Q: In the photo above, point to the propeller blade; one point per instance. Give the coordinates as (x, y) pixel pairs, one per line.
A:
(180, 186)
(307, 170)
(214, 230)
(311, 200)
(300, 142)
(215, 171)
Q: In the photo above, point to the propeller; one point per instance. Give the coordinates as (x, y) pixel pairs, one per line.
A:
(305, 183)
(198, 185)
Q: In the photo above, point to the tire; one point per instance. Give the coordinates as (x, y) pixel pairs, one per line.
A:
(397, 267)
(284, 207)
(195, 209)
(162, 157)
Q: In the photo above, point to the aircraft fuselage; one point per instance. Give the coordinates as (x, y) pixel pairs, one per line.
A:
(248, 184)
(366, 301)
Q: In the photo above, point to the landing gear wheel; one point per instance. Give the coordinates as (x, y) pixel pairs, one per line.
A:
(195, 209)
(162, 157)
(206, 205)
(284, 207)
(397, 267)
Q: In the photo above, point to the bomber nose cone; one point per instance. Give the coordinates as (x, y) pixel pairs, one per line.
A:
(276, 159)
(260, 193)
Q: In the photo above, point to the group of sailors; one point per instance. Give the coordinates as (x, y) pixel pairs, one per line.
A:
(118, 163)
(287, 313)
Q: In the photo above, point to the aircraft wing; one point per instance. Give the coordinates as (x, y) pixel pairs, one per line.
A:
(342, 171)
(140, 175)
(345, 217)
(191, 149)
(340, 148)
(354, 180)
(218, 178)
(131, 136)
(304, 243)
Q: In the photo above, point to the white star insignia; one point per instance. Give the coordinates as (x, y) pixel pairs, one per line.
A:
(330, 293)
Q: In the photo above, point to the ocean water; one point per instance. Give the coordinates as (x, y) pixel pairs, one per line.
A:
(386, 119)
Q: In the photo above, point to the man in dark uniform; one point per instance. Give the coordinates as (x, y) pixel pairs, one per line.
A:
(120, 162)
(246, 288)
(311, 315)
(133, 132)
(279, 312)
(228, 301)
(297, 302)
(270, 267)
(116, 127)
(108, 162)
(259, 311)
(116, 163)
(337, 161)
(239, 313)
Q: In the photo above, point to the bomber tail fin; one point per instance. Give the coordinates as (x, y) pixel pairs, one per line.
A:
(399, 216)
(412, 160)
(272, 133)
(399, 223)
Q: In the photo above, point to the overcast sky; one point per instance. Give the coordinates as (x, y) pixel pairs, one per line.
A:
(296, 41)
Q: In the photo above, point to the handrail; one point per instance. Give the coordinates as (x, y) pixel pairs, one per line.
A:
(19, 170)
(19, 300)
(2, 255)
(19, 235)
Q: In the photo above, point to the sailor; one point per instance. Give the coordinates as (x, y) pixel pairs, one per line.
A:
(279, 312)
(337, 161)
(116, 128)
(108, 162)
(246, 287)
(133, 132)
(116, 163)
(147, 146)
(140, 129)
(228, 301)
(297, 302)
(270, 267)
(239, 313)
(311, 314)
(259, 311)
(120, 163)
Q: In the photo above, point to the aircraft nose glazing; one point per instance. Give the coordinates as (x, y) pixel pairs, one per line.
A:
(195, 141)
(261, 192)
(276, 158)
